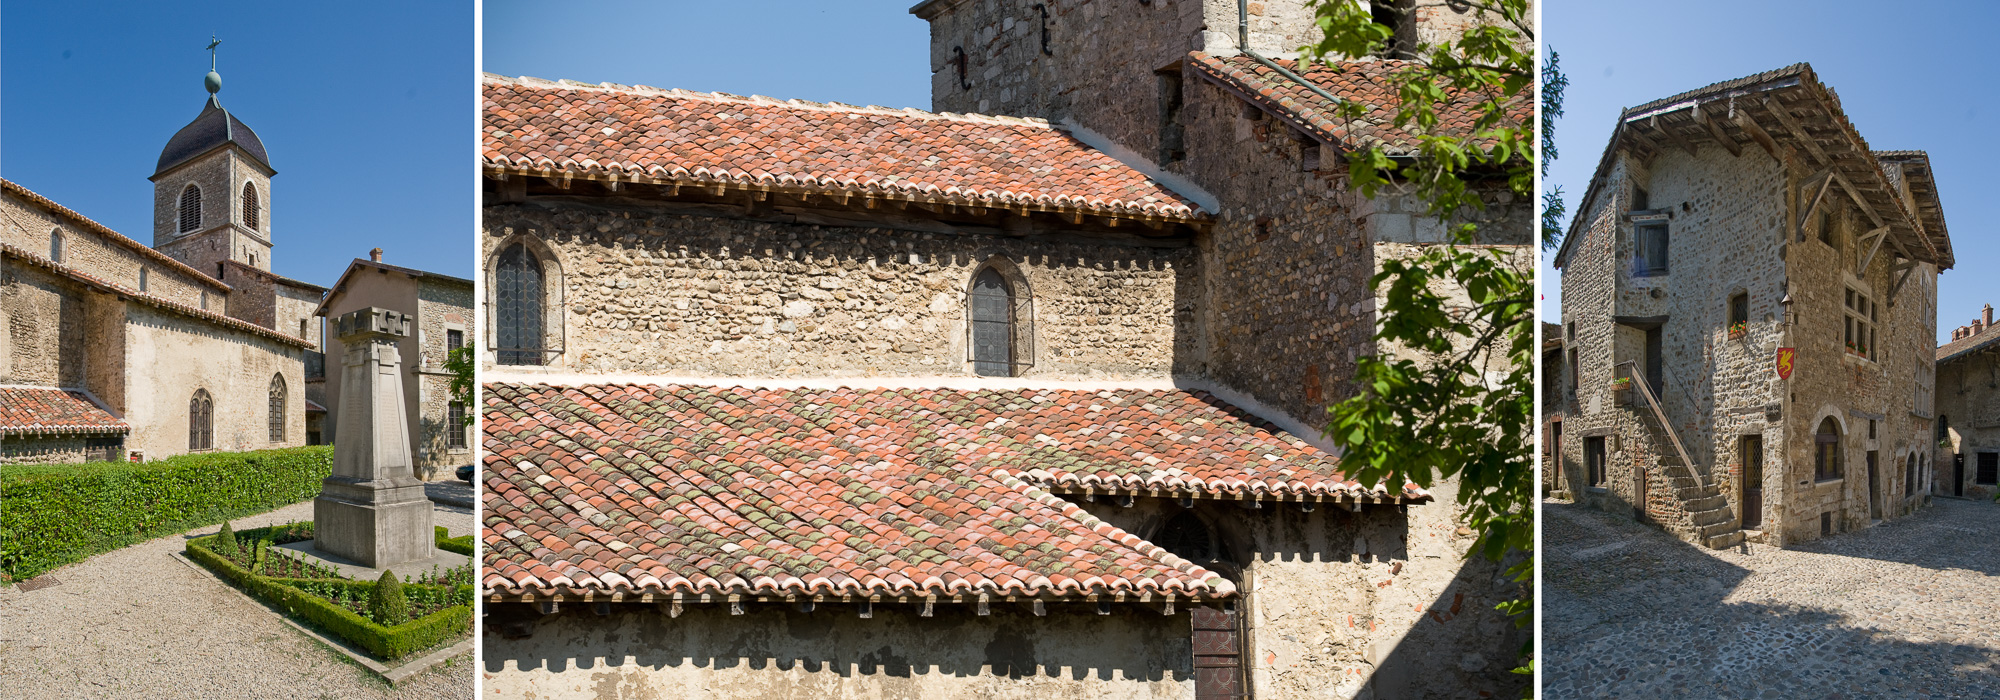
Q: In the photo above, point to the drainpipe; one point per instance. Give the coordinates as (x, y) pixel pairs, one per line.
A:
(1243, 44)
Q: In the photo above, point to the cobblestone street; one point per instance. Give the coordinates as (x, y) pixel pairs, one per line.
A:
(1907, 609)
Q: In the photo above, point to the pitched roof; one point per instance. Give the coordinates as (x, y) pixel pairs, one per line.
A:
(1362, 82)
(27, 410)
(340, 285)
(638, 133)
(115, 237)
(213, 128)
(640, 489)
(1787, 106)
(159, 302)
(1964, 346)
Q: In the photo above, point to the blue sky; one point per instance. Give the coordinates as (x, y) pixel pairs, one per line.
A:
(367, 110)
(1911, 77)
(864, 52)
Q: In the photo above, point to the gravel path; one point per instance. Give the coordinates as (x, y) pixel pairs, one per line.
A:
(1906, 609)
(137, 623)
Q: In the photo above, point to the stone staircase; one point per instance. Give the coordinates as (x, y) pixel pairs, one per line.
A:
(1711, 522)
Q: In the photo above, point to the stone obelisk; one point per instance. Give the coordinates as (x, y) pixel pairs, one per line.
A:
(372, 510)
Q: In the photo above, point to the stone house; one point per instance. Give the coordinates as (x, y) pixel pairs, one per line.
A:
(1551, 403)
(1968, 414)
(111, 348)
(440, 307)
(1749, 303)
(877, 401)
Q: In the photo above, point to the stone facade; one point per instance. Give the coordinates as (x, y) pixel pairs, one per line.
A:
(1731, 229)
(30, 222)
(1968, 415)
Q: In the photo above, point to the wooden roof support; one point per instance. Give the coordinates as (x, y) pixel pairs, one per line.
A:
(1881, 233)
(1906, 267)
(1671, 134)
(1824, 180)
(1757, 131)
(1715, 129)
(1855, 195)
(1798, 131)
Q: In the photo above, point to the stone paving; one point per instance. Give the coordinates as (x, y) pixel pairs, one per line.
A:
(137, 623)
(1907, 609)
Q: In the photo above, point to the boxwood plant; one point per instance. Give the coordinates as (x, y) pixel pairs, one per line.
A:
(436, 605)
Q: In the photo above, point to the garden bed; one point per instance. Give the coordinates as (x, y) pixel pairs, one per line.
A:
(426, 609)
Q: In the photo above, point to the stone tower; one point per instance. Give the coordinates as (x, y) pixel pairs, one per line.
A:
(212, 192)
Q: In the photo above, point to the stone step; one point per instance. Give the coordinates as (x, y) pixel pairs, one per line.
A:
(1709, 518)
(1704, 502)
(1725, 541)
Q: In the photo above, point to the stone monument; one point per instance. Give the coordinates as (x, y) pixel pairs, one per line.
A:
(372, 510)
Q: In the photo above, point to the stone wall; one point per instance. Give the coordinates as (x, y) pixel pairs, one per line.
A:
(655, 291)
(775, 651)
(1969, 406)
(44, 326)
(1729, 235)
(223, 234)
(27, 226)
(180, 355)
(1377, 604)
(294, 306)
(57, 449)
(442, 306)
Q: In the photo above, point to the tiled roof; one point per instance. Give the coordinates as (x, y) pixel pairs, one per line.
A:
(1361, 82)
(1954, 349)
(635, 490)
(640, 133)
(340, 285)
(28, 410)
(113, 236)
(163, 303)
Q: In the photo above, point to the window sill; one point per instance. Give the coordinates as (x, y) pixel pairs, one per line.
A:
(1598, 489)
(1829, 482)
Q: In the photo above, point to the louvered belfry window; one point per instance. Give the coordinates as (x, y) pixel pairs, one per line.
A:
(250, 208)
(992, 325)
(201, 421)
(190, 208)
(517, 297)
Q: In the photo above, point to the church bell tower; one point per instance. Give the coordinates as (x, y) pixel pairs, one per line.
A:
(212, 190)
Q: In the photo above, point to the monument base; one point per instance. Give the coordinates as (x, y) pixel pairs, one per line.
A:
(375, 524)
(306, 551)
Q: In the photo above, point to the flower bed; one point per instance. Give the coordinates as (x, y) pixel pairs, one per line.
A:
(439, 602)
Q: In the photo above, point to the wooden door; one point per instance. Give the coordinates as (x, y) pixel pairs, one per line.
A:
(1753, 481)
(1218, 654)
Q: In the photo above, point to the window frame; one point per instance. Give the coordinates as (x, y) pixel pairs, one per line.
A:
(56, 246)
(252, 207)
(1739, 314)
(201, 421)
(1859, 314)
(513, 314)
(454, 418)
(1986, 469)
(188, 211)
(275, 407)
(1644, 235)
(1827, 453)
(1596, 461)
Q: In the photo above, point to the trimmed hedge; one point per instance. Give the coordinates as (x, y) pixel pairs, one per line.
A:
(55, 515)
(388, 643)
(461, 544)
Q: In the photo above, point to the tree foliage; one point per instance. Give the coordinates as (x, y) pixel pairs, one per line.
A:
(458, 362)
(386, 602)
(1456, 397)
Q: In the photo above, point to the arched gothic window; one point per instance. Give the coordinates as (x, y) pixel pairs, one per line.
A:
(55, 246)
(1187, 537)
(1826, 457)
(250, 210)
(992, 317)
(517, 312)
(201, 421)
(277, 408)
(190, 208)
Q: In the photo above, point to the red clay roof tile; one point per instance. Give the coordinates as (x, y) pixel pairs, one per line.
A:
(539, 126)
(1361, 82)
(48, 411)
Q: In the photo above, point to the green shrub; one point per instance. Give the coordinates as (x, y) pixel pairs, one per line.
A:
(386, 602)
(383, 641)
(225, 542)
(59, 514)
(461, 544)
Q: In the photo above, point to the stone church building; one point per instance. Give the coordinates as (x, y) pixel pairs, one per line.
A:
(110, 348)
(1749, 315)
(784, 395)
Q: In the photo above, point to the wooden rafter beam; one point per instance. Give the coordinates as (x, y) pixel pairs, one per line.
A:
(1906, 268)
(1750, 126)
(1799, 132)
(1855, 195)
(1704, 116)
(1671, 134)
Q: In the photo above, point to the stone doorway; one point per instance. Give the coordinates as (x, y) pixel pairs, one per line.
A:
(1958, 475)
(1874, 487)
